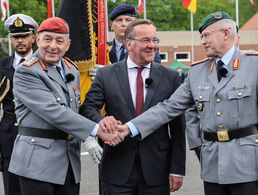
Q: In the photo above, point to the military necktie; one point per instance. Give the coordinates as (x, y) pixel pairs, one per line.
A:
(60, 71)
(21, 60)
(122, 53)
(221, 70)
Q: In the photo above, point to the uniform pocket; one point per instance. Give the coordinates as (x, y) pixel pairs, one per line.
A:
(240, 100)
(32, 152)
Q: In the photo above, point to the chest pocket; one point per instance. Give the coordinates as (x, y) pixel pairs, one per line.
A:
(202, 103)
(240, 101)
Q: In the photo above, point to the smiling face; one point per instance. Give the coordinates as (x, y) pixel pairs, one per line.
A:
(22, 44)
(143, 45)
(52, 46)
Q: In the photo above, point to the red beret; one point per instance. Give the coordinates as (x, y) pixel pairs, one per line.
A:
(54, 24)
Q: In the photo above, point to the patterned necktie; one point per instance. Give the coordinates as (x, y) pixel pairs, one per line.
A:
(139, 92)
(221, 70)
(122, 53)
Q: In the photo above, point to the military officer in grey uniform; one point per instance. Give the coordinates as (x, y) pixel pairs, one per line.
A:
(223, 89)
(46, 154)
(21, 29)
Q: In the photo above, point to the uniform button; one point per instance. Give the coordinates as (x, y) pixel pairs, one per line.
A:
(58, 99)
(16, 124)
(13, 100)
(219, 113)
(218, 100)
(256, 140)
(240, 93)
(33, 140)
(200, 97)
(71, 99)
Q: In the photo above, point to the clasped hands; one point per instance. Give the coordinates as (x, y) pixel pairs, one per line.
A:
(111, 131)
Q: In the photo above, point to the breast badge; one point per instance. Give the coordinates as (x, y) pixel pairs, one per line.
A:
(200, 107)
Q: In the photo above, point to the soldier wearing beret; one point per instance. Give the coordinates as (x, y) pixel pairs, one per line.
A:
(119, 19)
(226, 110)
(46, 153)
(21, 30)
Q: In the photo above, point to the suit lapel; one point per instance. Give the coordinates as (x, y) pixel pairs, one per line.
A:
(155, 74)
(123, 80)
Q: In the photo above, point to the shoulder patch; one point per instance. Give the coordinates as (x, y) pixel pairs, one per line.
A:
(199, 62)
(68, 63)
(31, 61)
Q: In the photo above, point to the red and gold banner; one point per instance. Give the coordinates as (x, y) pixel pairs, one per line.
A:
(190, 5)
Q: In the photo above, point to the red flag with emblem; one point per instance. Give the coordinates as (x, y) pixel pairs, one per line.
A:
(140, 6)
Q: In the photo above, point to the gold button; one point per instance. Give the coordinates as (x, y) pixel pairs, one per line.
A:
(219, 113)
(256, 140)
(239, 93)
(16, 124)
(218, 100)
(33, 140)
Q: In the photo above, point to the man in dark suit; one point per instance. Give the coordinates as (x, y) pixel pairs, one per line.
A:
(21, 30)
(127, 88)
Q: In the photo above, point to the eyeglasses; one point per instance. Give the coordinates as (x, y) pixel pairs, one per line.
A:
(206, 35)
(146, 40)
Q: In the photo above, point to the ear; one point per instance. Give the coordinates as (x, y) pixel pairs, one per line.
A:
(37, 37)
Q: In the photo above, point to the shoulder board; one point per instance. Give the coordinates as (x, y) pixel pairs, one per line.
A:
(251, 53)
(199, 62)
(31, 61)
(68, 63)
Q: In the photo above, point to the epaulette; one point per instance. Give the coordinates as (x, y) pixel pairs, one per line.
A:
(199, 62)
(252, 53)
(31, 61)
(68, 63)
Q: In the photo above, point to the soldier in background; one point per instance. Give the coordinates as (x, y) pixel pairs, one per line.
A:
(21, 30)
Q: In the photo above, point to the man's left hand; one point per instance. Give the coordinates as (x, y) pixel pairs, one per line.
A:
(175, 183)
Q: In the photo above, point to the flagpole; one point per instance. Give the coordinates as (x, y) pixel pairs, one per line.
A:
(237, 16)
(9, 41)
(192, 38)
(144, 8)
(53, 8)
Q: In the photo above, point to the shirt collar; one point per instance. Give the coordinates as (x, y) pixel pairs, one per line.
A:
(131, 64)
(118, 45)
(228, 56)
(18, 57)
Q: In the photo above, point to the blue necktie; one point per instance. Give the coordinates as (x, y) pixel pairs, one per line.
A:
(122, 53)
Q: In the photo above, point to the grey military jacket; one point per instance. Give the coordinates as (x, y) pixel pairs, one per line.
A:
(43, 100)
(230, 103)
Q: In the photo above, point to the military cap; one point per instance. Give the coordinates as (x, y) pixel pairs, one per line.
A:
(212, 18)
(54, 24)
(19, 24)
(124, 9)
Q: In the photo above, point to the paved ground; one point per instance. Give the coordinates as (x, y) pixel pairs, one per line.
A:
(89, 185)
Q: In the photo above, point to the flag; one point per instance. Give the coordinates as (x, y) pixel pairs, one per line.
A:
(87, 21)
(49, 8)
(4, 7)
(253, 4)
(140, 7)
(190, 5)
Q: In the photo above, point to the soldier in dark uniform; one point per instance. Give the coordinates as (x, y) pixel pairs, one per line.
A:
(119, 18)
(21, 30)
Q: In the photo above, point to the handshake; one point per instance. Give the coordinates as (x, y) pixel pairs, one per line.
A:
(111, 132)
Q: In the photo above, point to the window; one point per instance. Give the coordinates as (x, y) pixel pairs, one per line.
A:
(164, 56)
(182, 56)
